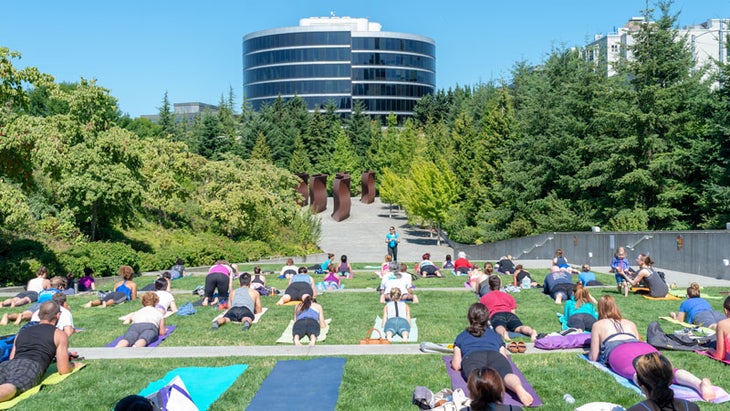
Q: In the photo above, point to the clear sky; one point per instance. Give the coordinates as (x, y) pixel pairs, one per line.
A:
(192, 49)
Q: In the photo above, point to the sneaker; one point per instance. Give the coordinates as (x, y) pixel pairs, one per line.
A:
(215, 325)
(246, 326)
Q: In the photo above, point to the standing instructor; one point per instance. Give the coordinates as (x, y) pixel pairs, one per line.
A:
(392, 240)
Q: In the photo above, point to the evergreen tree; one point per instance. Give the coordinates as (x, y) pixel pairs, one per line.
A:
(261, 150)
(300, 162)
(166, 120)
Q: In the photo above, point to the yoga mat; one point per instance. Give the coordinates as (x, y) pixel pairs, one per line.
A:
(510, 398)
(288, 338)
(680, 391)
(709, 354)
(51, 379)
(317, 390)
(683, 294)
(170, 329)
(668, 297)
(412, 335)
(204, 384)
(705, 330)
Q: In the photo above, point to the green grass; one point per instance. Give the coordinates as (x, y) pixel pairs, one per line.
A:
(370, 382)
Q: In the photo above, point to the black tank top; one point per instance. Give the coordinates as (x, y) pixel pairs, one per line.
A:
(36, 343)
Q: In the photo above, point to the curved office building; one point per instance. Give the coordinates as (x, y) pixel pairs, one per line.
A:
(339, 60)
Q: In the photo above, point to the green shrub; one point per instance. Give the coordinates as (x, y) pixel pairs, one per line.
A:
(20, 259)
(102, 257)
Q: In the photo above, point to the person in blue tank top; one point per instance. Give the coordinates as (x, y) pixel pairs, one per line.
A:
(308, 321)
(124, 290)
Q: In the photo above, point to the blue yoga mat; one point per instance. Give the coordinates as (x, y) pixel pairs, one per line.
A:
(204, 384)
(316, 388)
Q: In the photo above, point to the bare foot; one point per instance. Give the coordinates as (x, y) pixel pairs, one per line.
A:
(87, 305)
(205, 302)
(707, 390)
(4, 320)
(415, 300)
(524, 396)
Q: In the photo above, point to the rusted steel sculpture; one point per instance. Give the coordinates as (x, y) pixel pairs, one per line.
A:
(368, 187)
(318, 193)
(303, 189)
(341, 197)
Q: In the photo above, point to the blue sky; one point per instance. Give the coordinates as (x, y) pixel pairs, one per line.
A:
(192, 49)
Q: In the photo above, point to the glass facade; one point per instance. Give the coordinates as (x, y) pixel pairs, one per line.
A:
(388, 72)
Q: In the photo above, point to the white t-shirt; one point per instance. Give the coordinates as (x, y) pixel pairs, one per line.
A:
(400, 283)
(65, 320)
(35, 284)
(166, 299)
(147, 315)
(289, 267)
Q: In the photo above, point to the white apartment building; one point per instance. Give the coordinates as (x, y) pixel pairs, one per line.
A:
(707, 41)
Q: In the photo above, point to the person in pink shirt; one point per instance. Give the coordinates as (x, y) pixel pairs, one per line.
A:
(502, 307)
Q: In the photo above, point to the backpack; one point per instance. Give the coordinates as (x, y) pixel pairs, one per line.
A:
(681, 342)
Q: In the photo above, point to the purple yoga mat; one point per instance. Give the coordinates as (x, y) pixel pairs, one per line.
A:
(510, 398)
(708, 354)
(170, 329)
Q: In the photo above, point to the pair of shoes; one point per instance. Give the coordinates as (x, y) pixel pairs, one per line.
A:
(246, 326)
(521, 347)
(214, 326)
(513, 347)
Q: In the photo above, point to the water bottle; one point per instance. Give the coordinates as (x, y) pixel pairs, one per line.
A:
(526, 282)
(569, 398)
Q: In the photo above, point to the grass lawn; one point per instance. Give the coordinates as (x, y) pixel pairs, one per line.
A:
(369, 382)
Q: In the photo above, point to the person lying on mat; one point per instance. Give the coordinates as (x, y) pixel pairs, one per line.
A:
(300, 284)
(124, 290)
(396, 316)
(519, 276)
(657, 287)
(289, 269)
(32, 353)
(245, 303)
(30, 295)
(401, 280)
(58, 284)
(478, 347)
(654, 374)
(502, 308)
(486, 389)
(426, 268)
(558, 284)
(580, 311)
(723, 332)
(308, 320)
(697, 310)
(479, 280)
(148, 324)
(615, 343)
(332, 279)
(462, 264)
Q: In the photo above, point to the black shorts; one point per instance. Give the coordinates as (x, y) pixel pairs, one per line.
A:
(236, 314)
(582, 321)
(297, 290)
(481, 359)
(506, 320)
(565, 289)
(22, 373)
(306, 327)
(32, 295)
(429, 270)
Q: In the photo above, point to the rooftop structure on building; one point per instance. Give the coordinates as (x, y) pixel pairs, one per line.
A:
(339, 60)
(706, 41)
(185, 111)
